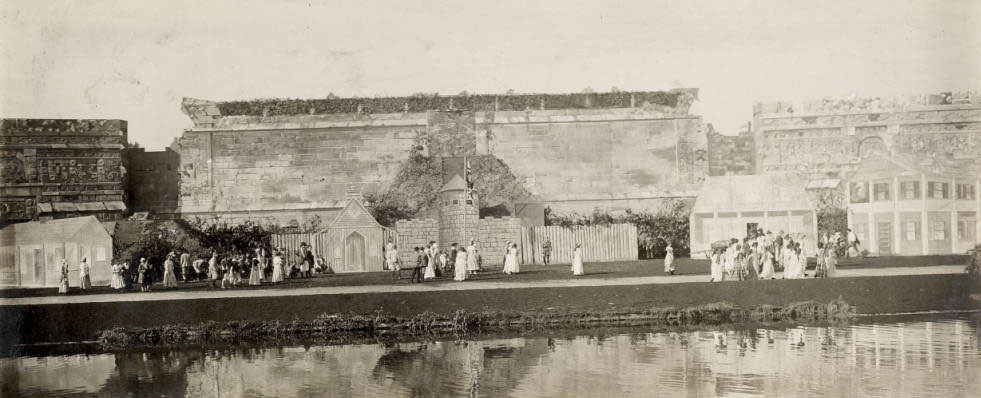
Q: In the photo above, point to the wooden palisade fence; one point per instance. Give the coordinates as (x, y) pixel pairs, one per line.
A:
(614, 242)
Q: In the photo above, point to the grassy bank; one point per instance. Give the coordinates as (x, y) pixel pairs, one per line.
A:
(614, 269)
(336, 326)
(80, 322)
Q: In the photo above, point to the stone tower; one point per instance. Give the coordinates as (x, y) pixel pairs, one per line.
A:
(458, 214)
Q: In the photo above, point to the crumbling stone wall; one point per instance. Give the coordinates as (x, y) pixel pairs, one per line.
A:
(415, 233)
(731, 154)
(61, 168)
(492, 236)
(825, 138)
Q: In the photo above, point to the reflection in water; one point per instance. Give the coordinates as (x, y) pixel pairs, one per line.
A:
(893, 359)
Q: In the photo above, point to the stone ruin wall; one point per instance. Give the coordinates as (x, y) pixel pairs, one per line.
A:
(415, 233)
(75, 162)
(493, 234)
(823, 139)
(572, 157)
(731, 155)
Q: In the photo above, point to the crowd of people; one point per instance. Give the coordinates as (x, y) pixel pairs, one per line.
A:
(760, 255)
(251, 267)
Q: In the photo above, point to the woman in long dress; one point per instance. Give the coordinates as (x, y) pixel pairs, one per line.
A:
(277, 264)
(143, 275)
(460, 266)
(255, 275)
(830, 264)
(729, 261)
(472, 265)
(170, 280)
(577, 260)
(116, 281)
(669, 260)
(213, 273)
(63, 282)
(84, 271)
(767, 272)
(511, 260)
(716, 265)
(391, 255)
(430, 264)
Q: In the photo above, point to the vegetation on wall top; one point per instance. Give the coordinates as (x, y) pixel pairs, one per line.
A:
(421, 103)
(654, 230)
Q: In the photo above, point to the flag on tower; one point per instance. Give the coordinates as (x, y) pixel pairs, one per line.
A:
(466, 177)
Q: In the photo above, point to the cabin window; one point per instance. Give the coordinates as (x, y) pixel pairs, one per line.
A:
(911, 190)
(881, 191)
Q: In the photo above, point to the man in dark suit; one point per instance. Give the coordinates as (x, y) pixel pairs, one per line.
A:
(420, 262)
(452, 260)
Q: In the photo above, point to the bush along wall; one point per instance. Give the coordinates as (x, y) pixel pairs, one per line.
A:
(654, 230)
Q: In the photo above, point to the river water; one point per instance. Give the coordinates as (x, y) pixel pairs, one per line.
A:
(886, 357)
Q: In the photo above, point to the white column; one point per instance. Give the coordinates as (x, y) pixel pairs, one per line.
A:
(848, 202)
(896, 228)
(923, 215)
(953, 215)
(872, 243)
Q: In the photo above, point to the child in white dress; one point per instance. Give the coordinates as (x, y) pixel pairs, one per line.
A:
(577, 260)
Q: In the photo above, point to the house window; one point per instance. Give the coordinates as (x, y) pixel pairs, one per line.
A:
(911, 230)
(965, 230)
(881, 191)
(911, 190)
(938, 190)
(939, 230)
(965, 192)
(859, 192)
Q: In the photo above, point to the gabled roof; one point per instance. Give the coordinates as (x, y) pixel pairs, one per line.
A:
(354, 214)
(456, 184)
(56, 230)
(774, 192)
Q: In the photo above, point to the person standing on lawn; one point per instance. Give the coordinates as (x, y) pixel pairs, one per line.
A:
(716, 265)
(511, 260)
(255, 274)
(830, 263)
(185, 265)
(213, 272)
(472, 265)
(669, 260)
(854, 243)
(144, 277)
(277, 264)
(547, 251)
(420, 263)
(460, 266)
(430, 261)
(63, 281)
(169, 279)
(767, 269)
(577, 266)
(84, 271)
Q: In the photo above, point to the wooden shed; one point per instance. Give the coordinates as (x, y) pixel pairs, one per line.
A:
(355, 240)
(30, 253)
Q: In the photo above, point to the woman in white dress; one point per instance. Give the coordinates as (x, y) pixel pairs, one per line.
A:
(830, 264)
(460, 266)
(716, 265)
(511, 260)
(577, 260)
(767, 272)
(277, 264)
(169, 279)
(390, 256)
(116, 282)
(430, 264)
(472, 265)
(85, 281)
(729, 261)
(669, 260)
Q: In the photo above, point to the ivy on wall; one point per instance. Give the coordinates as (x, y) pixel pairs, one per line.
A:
(424, 102)
(654, 229)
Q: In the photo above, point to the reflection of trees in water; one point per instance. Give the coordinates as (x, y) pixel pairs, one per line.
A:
(455, 368)
(159, 374)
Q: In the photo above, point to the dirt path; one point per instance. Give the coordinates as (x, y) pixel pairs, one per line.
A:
(442, 285)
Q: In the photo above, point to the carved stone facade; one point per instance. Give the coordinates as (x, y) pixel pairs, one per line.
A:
(823, 139)
(61, 168)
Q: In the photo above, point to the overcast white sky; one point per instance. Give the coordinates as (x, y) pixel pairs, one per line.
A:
(135, 60)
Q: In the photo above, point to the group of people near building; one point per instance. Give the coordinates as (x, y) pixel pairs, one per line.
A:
(251, 267)
(759, 256)
(431, 262)
(84, 275)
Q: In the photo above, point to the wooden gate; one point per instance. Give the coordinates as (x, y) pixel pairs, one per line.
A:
(614, 242)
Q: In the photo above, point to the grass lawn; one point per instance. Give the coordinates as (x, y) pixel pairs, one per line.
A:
(615, 269)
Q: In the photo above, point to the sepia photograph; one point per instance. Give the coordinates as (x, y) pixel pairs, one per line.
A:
(447, 198)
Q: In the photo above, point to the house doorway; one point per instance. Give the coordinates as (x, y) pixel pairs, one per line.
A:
(884, 235)
(354, 246)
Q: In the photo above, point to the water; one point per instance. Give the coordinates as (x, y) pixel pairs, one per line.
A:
(896, 357)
